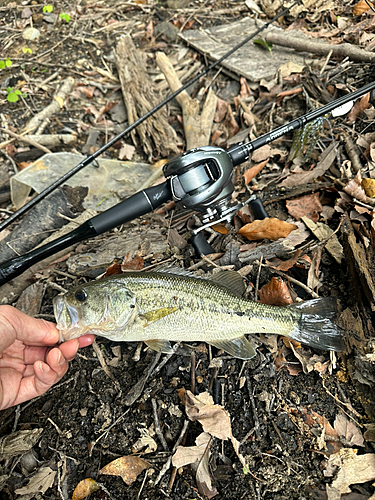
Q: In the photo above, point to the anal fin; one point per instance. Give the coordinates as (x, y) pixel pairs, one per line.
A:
(239, 348)
(158, 345)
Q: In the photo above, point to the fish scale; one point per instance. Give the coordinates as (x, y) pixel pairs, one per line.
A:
(162, 306)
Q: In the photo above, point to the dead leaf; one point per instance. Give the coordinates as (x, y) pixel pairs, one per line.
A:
(359, 106)
(214, 418)
(361, 7)
(128, 467)
(126, 151)
(221, 110)
(18, 442)
(39, 483)
(136, 264)
(219, 228)
(308, 206)
(114, 268)
(369, 187)
(186, 455)
(348, 431)
(245, 89)
(322, 231)
(327, 158)
(198, 456)
(353, 469)
(269, 228)
(275, 293)
(284, 265)
(354, 188)
(84, 488)
(250, 173)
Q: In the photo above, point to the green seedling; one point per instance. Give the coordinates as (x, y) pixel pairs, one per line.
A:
(5, 64)
(65, 17)
(26, 50)
(48, 9)
(263, 43)
(13, 95)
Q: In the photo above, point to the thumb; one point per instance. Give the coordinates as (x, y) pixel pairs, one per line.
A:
(14, 324)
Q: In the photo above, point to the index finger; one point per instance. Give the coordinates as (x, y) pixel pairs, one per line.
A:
(14, 324)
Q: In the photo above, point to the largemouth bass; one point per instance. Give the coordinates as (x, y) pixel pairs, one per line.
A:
(163, 306)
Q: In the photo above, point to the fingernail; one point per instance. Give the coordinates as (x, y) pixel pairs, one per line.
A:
(44, 367)
(60, 359)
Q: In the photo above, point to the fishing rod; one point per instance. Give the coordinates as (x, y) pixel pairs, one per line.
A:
(199, 179)
(90, 159)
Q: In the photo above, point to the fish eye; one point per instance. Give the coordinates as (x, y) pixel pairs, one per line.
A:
(81, 295)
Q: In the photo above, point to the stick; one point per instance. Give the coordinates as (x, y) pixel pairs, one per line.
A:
(24, 138)
(342, 50)
(197, 126)
(54, 107)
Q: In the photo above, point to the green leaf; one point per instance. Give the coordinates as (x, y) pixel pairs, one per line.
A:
(8, 63)
(263, 43)
(26, 50)
(12, 97)
(2, 64)
(47, 8)
(65, 17)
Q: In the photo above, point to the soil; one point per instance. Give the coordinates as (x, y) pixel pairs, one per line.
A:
(276, 408)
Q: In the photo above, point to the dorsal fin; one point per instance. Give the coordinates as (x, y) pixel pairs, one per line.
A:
(231, 280)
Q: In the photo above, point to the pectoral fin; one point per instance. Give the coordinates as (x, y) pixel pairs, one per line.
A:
(156, 314)
(160, 346)
(239, 348)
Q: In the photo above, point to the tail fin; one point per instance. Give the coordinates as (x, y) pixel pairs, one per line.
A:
(315, 327)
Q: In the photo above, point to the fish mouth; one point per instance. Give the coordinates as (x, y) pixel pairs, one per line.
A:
(67, 319)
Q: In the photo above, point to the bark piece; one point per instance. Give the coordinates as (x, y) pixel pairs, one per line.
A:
(197, 125)
(38, 223)
(155, 134)
(10, 292)
(54, 107)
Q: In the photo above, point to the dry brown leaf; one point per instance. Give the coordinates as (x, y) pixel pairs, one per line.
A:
(361, 7)
(214, 418)
(369, 187)
(221, 110)
(250, 173)
(84, 488)
(245, 89)
(198, 456)
(128, 467)
(114, 268)
(308, 206)
(348, 432)
(353, 469)
(284, 265)
(135, 264)
(220, 228)
(355, 189)
(358, 107)
(275, 293)
(269, 228)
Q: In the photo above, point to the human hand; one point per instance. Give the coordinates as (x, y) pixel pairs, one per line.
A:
(30, 360)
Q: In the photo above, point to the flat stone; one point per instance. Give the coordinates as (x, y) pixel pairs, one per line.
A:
(251, 61)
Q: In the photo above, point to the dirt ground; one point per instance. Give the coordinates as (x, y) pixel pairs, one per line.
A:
(304, 418)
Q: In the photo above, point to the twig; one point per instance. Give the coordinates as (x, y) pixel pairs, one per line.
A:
(94, 443)
(168, 463)
(192, 372)
(25, 139)
(157, 425)
(296, 282)
(253, 406)
(258, 278)
(104, 365)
